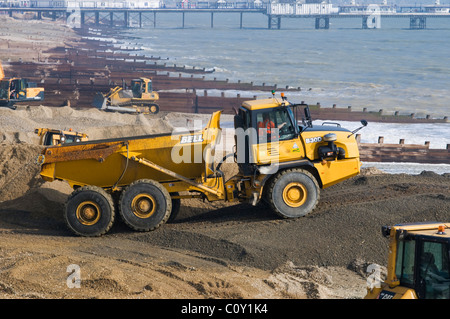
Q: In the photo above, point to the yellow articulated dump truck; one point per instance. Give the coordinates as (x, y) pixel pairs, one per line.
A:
(418, 264)
(280, 162)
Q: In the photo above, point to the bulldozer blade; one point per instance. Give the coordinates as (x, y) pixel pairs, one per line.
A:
(99, 101)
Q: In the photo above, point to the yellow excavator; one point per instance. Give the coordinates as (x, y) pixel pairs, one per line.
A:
(139, 99)
(15, 90)
(144, 177)
(418, 264)
(48, 136)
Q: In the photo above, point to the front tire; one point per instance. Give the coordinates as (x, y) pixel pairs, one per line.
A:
(145, 205)
(293, 193)
(89, 211)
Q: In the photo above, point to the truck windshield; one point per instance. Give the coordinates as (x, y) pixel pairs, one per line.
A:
(275, 124)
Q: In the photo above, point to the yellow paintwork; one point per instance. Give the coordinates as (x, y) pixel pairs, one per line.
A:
(263, 104)
(333, 172)
(400, 292)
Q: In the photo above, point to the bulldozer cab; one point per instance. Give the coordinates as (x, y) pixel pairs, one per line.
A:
(418, 265)
(141, 87)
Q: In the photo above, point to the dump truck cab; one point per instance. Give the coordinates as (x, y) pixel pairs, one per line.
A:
(418, 262)
(268, 134)
(50, 137)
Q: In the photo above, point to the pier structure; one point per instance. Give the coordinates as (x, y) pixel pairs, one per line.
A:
(321, 13)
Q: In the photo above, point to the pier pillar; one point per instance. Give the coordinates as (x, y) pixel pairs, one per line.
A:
(417, 23)
(140, 20)
(154, 19)
(322, 23)
(212, 20)
(39, 15)
(240, 20)
(126, 19)
(182, 23)
(97, 18)
(274, 22)
(111, 19)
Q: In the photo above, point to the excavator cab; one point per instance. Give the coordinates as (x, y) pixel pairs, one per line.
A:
(418, 264)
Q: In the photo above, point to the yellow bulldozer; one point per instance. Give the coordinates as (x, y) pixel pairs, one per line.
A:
(418, 264)
(15, 90)
(280, 162)
(139, 99)
(48, 136)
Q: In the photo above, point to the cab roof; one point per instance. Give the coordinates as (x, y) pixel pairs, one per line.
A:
(263, 104)
(425, 229)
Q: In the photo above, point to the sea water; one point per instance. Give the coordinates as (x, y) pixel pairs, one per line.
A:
(391, 68)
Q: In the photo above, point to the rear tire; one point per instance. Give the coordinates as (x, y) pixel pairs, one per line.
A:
(176, 206)
(293, 193)
(89, 211)
(145, 205)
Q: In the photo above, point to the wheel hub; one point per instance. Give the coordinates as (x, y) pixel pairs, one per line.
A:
(143, 205)
(88, 213)
(294, 194)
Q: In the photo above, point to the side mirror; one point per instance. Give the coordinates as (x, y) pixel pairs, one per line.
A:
(364, 124)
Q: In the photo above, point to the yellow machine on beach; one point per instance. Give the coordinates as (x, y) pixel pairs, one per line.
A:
(15, 90)
(418, 265)
(145, 177)
(49, 136)
(140, 99)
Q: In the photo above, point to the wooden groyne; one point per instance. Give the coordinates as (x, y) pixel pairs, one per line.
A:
(402, 153)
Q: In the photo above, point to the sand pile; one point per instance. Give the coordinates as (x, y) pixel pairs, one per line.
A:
(18, 170)
(19, 125)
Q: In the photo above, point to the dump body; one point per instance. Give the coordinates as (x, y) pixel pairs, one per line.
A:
(108, 163)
